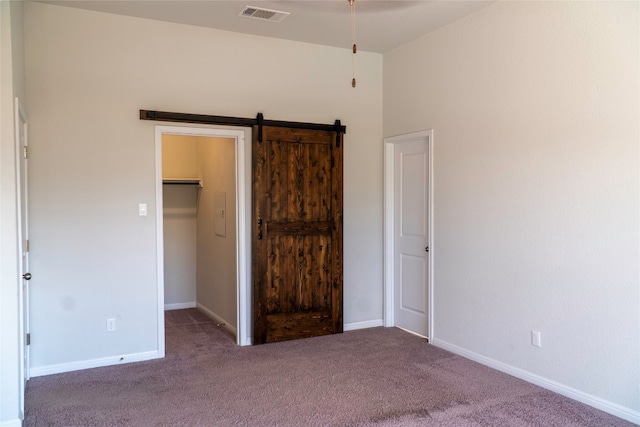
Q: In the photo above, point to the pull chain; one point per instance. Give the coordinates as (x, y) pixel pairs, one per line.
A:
(352, 6)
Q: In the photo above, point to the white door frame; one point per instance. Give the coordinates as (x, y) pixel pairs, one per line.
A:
(389, 218)
(242, 137)
(23, 235)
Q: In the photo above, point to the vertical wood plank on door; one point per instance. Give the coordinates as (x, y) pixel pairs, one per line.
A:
(336, 247)
(259, 268)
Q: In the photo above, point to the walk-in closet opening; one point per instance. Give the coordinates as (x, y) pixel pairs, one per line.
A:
(203, 188)
(199, 226)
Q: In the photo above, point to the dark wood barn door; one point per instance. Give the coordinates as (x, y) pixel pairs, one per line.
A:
(297, 243)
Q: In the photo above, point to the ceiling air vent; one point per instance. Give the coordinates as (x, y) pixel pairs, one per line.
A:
(263, 14)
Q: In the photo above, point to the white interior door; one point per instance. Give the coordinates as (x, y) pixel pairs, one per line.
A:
(23, 239)
(411, 235)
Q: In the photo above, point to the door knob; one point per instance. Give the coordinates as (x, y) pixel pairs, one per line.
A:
(26, 276)
(426, 249)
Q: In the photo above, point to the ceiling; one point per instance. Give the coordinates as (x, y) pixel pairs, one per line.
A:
(381, 25)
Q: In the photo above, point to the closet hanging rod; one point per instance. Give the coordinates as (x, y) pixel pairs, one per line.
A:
(182, 181)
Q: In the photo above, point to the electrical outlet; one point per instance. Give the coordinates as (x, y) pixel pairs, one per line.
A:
(536, 339)
(111, 325)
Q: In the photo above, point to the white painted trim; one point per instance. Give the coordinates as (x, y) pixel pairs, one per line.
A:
(217, 319)
(20, 127)
(570, 392)
(179, 306)
(388, 240)
(11, 423)
(388, 248)
(94, 363)
(159, 243)
(243, 247)
(242, 137)
(362, 325)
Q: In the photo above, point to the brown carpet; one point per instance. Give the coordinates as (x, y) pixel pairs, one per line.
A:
(379, 377)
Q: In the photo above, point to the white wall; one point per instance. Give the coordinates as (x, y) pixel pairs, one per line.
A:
(535, 111)
(179, 156)
(179, 160)
(179, 232)
(88, 74)
(11, 85)
(217, 279)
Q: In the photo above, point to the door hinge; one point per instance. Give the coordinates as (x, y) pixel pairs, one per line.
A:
(28, 339)
(26, 152)
(26, 246)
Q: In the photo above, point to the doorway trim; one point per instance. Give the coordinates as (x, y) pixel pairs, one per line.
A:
(389, 218)
(21, 129)
(243, 240)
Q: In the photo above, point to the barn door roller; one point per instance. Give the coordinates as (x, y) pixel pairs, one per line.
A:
(338, 127)
(259, 121)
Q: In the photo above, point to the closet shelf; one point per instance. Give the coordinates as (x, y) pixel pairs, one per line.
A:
(186, 181)
(183, 181)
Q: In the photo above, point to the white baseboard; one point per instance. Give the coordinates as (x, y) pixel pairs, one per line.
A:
(362, 325)
(570, 392)
(179, 306)
(11, 423)
(217, 319)
(39, 371)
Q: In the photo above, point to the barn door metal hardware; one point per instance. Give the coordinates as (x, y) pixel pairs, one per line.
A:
(338, 126)
(259, 121)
